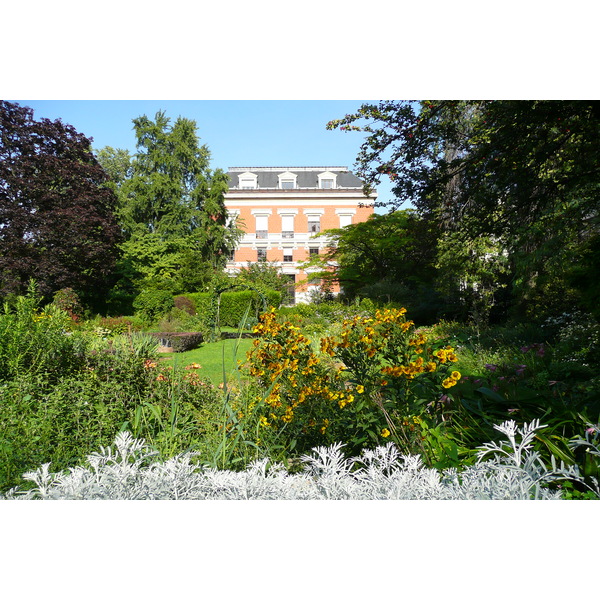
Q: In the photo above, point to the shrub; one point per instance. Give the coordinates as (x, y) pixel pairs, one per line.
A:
(185, 303)
(233, 305)
(118, 325)
(180, 342)
(34, 340)
(68, 301)
(372, 381)
(153, 303)
(132, 471)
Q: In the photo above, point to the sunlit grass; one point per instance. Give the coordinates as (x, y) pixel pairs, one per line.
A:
(212, 357)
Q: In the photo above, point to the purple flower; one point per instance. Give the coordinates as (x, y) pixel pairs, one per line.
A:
(491, 367)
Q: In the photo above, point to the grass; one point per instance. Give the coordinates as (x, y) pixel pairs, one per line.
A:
(212, 357)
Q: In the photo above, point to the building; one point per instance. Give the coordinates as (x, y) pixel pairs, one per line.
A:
(281, 209)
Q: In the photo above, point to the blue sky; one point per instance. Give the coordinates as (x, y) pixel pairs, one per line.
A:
(239, 133)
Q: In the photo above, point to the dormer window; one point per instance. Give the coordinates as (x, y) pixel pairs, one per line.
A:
(327, 180)
(247, 181)
(287, 181)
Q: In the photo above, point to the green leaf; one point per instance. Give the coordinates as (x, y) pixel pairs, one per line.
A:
(491, 394)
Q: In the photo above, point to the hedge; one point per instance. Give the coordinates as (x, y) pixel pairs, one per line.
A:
(233, 304)
(180, 342)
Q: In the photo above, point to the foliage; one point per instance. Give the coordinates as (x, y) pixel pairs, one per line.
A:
(397, 373)
(181, 341)
(67, 300)
(150, 304)
(117, 384)
(398, 246)
(263, 276)
(232, 305)
(479, 265)
(132, 471)
(370, 382)
(522, 174)
(116, 164)
(33, 340)
(57, 220)
(171, 207)
(186, 304)
(111, 326)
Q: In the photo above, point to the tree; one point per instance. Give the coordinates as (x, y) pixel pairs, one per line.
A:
(171, 208)
(116, 164)
(57, 222)
(388, 257)
(523, 174)
(263, 276)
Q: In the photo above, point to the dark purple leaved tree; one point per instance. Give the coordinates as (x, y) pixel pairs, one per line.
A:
(57, 221)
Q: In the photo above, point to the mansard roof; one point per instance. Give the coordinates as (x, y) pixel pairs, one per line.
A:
(306, 177)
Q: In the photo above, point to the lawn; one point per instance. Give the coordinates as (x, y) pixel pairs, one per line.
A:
(213, 357)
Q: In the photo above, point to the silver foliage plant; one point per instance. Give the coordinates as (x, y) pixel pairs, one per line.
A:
(132, 471)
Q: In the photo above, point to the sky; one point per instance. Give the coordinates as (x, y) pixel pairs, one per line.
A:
(238, 133)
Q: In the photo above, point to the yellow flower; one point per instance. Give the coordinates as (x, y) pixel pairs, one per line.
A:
(385, 433)
(360, 389)
(455, 375)
(448, 383)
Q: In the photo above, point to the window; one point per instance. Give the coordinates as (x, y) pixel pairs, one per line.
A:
(313, 251)
(345, 220)
(327, 180)
(262, 227)
(288, 255)
(247, 181)
(314, 225)
(287, 226)
(261, 254)
(287, 180)
(345, 215)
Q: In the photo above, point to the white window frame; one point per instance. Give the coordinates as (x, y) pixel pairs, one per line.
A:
(247, 181)
(287, 177)
(327, 176)
(314, 215)
(345, 212)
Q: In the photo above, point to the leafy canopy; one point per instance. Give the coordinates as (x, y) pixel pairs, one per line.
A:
(57, 221)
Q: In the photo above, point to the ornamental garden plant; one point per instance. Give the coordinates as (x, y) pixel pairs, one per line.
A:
(369, 379)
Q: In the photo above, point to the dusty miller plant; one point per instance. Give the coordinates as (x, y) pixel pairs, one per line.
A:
(131, 470)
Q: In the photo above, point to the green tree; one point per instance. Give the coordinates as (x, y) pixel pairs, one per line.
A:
(263, 276)
(522, 174)
(389, 257)
(171, 208)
